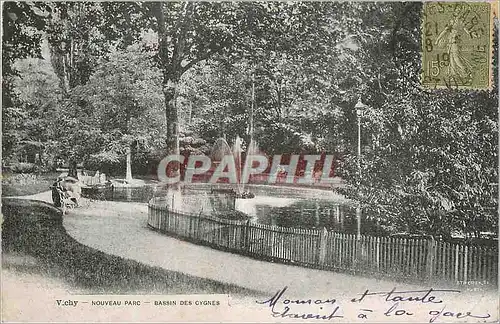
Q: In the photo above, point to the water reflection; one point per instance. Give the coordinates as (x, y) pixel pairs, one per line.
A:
(283, 207)
(316, 214)
(307, 214)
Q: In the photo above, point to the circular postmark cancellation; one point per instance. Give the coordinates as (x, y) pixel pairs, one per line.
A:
(457, 40)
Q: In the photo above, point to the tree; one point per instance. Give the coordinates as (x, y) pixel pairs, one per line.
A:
(22, 24)
(300, 57)
(429, 157)
(38, 95)
(188, 33)
(78, 37)
(77, 40)
(123, 103)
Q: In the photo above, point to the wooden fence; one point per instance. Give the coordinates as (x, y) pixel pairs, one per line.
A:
(416, 259)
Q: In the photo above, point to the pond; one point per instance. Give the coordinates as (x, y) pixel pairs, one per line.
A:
(130, 194)
(337, 215)
(272, 205)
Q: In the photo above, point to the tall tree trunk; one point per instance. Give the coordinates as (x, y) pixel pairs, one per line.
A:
(171, 77)
(170, 91)
(72, 172)
(128, 175)
(61, 62)
(172, 67)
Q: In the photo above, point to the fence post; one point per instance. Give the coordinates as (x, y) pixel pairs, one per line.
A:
(466, 262)
(355, 249)
(190, 231)
(158, 218)
(150, 213)
(167, 221)
(323, 235)
(341, 216)
(245, 236)
(378, 252)
(431, 254)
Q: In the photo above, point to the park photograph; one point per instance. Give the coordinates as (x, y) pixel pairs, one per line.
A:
(250, 161)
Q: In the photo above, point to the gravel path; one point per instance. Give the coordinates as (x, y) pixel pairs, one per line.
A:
(119, 228)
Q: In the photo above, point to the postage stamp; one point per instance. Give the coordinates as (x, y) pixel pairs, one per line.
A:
(457, 45)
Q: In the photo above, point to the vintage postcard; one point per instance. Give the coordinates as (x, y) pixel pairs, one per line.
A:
(250, 161)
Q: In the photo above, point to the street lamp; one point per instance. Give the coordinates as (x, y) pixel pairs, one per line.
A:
(359, 110)
(252, 108)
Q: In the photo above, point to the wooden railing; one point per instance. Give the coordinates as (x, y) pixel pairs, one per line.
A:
(416, 259)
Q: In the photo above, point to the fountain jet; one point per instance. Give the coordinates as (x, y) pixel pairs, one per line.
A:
(222, 149)
(237, 162)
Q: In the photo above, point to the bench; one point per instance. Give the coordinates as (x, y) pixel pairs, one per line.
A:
(63, 199)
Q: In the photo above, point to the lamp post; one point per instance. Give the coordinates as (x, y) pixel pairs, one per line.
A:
(359, 110)
(252, 107)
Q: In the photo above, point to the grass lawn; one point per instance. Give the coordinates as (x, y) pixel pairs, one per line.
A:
(33, 230)
(19, 184)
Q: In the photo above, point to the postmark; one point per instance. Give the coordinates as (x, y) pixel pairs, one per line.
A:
(457, 45)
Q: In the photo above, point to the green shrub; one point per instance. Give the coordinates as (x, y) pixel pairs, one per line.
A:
(232, 214)
(21, 184)
(23, 167)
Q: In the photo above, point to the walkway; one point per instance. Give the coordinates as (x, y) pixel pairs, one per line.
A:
(119, 228)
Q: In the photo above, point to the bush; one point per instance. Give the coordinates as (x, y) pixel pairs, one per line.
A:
(21, 184)
(232, 214)
(22, 167)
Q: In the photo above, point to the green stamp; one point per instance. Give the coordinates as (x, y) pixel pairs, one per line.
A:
(457, 40)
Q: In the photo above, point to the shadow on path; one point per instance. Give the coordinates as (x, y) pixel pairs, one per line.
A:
(35, 241)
